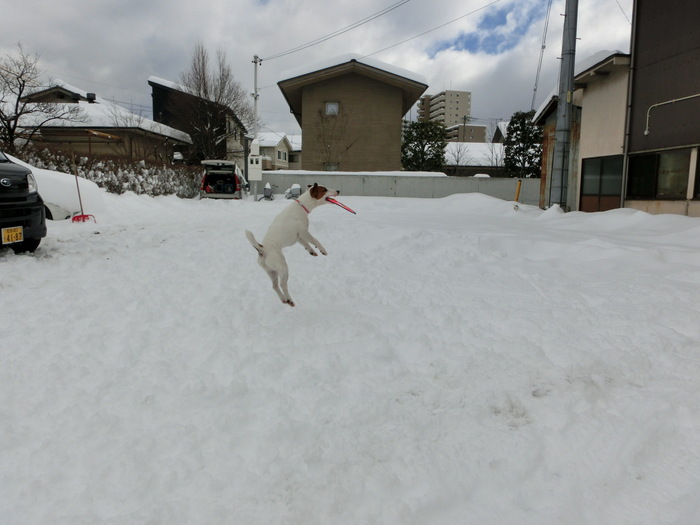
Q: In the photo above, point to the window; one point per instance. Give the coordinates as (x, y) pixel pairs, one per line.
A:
(332, 108)
(279, 155)
(661, 175)
(601, 183)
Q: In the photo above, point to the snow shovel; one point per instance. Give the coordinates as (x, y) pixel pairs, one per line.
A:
(82, 217)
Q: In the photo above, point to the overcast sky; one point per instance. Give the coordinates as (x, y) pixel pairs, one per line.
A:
(489, 47)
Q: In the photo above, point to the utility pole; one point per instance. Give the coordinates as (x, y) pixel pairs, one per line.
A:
(560, 170)
(256, 62)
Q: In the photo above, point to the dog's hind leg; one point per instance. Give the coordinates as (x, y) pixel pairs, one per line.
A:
(276, 287)
(279, 283)
(284, 276)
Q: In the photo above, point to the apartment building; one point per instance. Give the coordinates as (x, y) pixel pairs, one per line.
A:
(466, 133)
(452, 108)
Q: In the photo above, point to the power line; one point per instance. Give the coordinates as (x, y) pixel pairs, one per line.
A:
(340, 31)
(623, 12)
(539, 66)
(435, 28)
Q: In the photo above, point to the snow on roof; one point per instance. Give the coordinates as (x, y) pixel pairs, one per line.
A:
(104, 113)
(295, 141)
(473, 153)
(166, 83)
(581, 66)
(342, 59)
(503, 127)
(270, 139)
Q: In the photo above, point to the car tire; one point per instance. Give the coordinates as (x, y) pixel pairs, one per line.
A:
(28, 245)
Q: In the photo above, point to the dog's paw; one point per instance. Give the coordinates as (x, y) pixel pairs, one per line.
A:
(289, 302)
(313, 253)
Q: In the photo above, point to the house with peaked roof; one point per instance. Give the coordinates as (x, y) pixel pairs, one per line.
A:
(215, 130)
(275, 150)
(636, 142)
(350, 110)
(500, 132)
(596, 143)
(105, 129)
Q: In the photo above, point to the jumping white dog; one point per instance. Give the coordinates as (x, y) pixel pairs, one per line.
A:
(289, 227)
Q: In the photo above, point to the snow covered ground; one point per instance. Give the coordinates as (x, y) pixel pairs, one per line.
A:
(451, 361)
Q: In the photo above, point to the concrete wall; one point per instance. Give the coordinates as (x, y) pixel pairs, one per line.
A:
(404, 185)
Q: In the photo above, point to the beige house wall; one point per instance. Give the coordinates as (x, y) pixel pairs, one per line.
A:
(603, 118)
(365, 135)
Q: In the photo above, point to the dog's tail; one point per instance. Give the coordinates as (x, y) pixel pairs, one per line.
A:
(256, 244)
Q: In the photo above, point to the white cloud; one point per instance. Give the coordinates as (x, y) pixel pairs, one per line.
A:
(111, 47)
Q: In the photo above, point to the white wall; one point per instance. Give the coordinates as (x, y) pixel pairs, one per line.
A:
(406, 185)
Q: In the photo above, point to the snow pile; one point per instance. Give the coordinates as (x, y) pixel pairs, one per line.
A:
(450, 361)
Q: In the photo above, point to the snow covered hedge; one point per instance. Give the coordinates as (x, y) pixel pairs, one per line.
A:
(119, 176)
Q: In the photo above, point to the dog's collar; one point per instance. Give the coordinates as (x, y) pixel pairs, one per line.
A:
(300, 204)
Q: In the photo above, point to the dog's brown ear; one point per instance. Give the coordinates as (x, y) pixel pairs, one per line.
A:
(317, 191)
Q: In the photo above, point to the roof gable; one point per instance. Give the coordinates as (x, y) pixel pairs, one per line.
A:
(412, 86)
(103, 114)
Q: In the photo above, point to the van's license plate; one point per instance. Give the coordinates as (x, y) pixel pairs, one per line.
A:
(12, 235)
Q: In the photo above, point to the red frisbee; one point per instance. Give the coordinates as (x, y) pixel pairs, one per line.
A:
(333, 201)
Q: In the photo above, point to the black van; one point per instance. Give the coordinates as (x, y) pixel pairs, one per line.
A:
(22, 215)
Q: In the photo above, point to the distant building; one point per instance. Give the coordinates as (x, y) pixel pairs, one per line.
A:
(295, 153)
(175, 106)
(466, 133)
(474, 158)
(275, 150)
(350, 110)
(452, 109)
(500, 132)
(107, 129)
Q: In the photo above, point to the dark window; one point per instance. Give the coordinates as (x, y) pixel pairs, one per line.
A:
(601, 183)
(642, 177)
(661, 175)
(674, 168)
(602, 176)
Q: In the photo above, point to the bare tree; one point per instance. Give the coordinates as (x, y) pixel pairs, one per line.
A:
(209, 100)
(20, 117)
(458, 154)
(495, 155)
(333, 136)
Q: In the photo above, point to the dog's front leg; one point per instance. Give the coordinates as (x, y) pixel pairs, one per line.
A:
(307, 246)
(307, 238)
